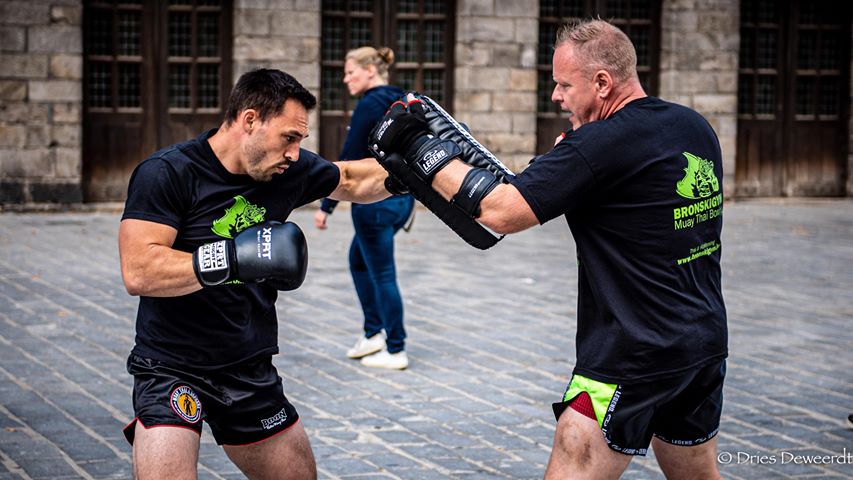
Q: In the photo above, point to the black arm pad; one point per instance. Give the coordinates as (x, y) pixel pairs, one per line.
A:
(418, 179)
(430, 154)
(477, 184)
(460, 222)
(445, 126)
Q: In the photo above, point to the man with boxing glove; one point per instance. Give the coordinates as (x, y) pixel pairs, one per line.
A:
(638, 181)
(271, 252)
(205, 243)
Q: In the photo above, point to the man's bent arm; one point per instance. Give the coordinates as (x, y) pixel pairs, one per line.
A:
(149, 264)
(362, 181)
(503, 210)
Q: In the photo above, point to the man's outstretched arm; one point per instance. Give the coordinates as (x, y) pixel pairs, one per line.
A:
(504, 210)
(362, 181)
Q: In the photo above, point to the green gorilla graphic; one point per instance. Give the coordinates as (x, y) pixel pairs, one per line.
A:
(699, 179)
(238, 217)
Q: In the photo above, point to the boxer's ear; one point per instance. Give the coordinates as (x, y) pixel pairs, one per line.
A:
(603, 83)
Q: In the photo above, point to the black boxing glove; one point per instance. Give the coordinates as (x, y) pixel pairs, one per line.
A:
(427, 154)
(397, 131)
(404, 130)
(273, 251)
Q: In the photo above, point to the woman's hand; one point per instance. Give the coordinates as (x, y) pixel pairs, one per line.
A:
(320, 219)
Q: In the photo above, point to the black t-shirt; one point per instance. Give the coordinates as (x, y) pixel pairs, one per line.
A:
(186, 187)
(642, 193)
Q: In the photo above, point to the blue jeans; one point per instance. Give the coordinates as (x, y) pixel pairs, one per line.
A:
(371, 262)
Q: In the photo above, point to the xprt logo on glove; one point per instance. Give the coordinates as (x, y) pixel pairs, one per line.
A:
(265, 243)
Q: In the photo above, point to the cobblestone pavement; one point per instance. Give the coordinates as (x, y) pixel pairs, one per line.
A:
(491, 344)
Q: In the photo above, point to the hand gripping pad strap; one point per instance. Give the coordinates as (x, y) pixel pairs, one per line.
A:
(464, 226)
(473, 153)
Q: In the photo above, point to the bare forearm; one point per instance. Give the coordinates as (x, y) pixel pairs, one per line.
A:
(448, 180)
(160, 272)
(149, 264)
(503, 210)
(362, 181)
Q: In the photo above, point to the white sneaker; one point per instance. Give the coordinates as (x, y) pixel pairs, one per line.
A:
(383, 359)
(366, 346)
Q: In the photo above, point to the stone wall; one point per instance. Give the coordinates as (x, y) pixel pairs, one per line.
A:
(282, 34)
(495, 76)
(698, 66)
(41, 71)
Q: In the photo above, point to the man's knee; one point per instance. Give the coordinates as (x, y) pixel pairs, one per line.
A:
(580, 449)
(682, 462)
(575, 436)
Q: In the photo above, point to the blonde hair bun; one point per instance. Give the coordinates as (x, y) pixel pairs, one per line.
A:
(386, 54)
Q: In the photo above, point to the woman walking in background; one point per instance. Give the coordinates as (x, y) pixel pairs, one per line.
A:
(371, 254)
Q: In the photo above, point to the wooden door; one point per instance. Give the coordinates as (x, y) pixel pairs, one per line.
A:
(419, 31)
(639, 19)
(793, 92)
(155, 73)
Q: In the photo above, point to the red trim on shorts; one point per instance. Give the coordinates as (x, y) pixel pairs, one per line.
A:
(583, 405)
(132, 423)
(265, 438)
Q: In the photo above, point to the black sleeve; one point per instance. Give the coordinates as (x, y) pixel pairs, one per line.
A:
(322, 179)
(555, 183)
(328, 205)
(157, 193)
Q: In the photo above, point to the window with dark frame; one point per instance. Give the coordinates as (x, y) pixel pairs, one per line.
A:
(114, 56)
(154, 72)
(192, 51)
(419, 31)
(193, 56)
(817, 60)
(793, 79)
(759, 57)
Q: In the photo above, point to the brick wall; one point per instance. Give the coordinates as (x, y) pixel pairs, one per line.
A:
(699, 61)
(495, 75)
(41, 74)
(282, 34)
(495, 78)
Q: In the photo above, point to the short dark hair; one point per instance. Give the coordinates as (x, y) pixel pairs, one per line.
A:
(266, 90)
